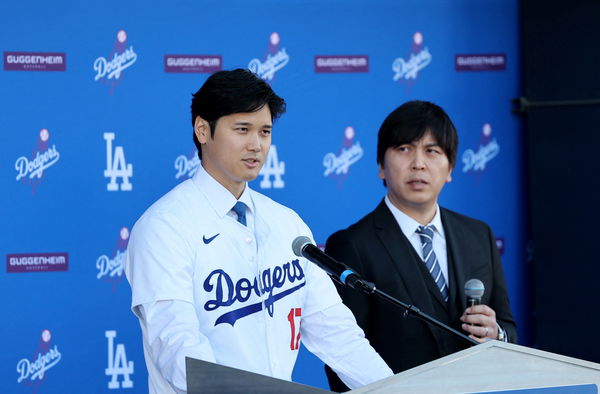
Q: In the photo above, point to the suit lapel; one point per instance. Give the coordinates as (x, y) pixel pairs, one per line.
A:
(457, 259)
(406, 261)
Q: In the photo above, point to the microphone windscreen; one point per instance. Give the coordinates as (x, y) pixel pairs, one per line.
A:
(474, 288)
(299, 243)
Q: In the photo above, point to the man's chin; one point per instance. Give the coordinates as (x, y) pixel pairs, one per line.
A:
(251, 175)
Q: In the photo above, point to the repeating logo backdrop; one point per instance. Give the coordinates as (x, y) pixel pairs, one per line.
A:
(86, 150)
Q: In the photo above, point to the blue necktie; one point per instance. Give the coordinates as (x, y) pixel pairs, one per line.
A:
(240, 210)
(431, 262)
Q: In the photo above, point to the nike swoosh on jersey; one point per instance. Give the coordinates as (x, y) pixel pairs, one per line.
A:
(209, 240)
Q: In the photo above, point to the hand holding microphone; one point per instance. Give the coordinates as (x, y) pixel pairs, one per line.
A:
(478, 320)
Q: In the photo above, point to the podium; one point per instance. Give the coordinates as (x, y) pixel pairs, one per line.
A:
(493, 366)
(204, 377)
(489, 367)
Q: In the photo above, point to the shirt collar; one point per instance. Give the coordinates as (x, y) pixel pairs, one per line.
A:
(409, 225)
(218, 196)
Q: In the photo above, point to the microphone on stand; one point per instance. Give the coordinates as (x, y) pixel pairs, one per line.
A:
(303, 247)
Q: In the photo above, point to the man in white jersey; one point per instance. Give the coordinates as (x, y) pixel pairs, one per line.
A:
(210, 264)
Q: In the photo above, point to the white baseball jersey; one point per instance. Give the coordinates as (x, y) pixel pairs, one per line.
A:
(246, 288)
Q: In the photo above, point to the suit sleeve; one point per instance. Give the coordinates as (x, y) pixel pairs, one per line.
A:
(499, 297)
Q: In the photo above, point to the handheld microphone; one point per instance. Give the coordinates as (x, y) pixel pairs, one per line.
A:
(474, 290)
(303, 247)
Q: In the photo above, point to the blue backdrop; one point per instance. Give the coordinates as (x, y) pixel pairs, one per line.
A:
(96, 96)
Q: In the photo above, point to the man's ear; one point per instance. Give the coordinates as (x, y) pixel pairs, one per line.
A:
(449, 179)
(201, 129)
(381, 174)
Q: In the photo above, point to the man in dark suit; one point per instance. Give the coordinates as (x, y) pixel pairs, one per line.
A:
(418, 252)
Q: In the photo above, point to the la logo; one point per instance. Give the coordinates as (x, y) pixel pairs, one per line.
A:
(116, 167)
(273, 167)
(117, 363)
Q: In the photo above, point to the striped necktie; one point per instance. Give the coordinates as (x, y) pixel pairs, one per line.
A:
(431, 261)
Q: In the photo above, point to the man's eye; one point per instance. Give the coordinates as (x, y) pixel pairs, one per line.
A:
(266, 132)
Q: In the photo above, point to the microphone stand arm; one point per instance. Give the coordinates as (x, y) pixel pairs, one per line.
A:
(369, 288)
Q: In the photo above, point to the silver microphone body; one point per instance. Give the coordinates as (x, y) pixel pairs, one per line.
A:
(474, 290)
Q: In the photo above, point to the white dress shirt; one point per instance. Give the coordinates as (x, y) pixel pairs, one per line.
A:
(409, 227)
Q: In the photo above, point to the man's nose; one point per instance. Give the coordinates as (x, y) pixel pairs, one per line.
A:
(418, 162)
(254, 142)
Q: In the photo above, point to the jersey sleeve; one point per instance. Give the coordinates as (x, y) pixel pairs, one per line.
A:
(171, 331)
(334, 337)
(159, 261)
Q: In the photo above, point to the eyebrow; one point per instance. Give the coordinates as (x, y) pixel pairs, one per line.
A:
(429, 145)
(268, 126)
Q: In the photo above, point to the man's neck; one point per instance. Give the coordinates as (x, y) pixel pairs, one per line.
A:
(423, 214)
(235, 188)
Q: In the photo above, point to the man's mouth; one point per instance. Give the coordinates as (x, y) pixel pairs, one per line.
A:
(251, 162)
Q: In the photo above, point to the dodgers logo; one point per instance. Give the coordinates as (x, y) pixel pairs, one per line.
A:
(116, 166)
(110, 269)
(44, 156)
(225, 293)
(488, 149)
(338, 165)
(273, 167)
(117, 363)
(273, 61)
(419, 58)
(121, 57)
(186, 166)
(33, 372)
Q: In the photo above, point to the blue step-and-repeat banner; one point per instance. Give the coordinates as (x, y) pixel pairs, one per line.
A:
(95, 125)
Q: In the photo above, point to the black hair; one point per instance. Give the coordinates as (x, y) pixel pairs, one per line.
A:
(230, 92)
(410, 122)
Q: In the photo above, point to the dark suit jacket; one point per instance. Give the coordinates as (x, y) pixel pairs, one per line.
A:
(376, 248)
